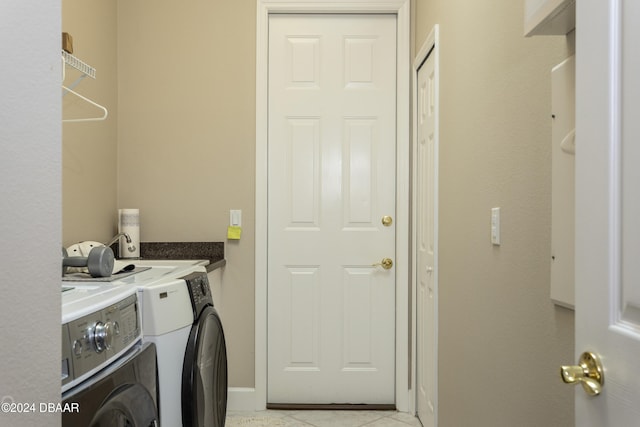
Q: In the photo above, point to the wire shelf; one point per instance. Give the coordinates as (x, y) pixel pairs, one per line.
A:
(79, 65)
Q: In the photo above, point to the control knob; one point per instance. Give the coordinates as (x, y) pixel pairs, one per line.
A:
(101, 336)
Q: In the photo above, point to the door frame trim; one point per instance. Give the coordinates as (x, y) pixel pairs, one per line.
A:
(400, 8)
(428, 48)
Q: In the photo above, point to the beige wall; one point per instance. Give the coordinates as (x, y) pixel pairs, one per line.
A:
(179, 82)
(501, 339)
(186, 139)
(89, 149)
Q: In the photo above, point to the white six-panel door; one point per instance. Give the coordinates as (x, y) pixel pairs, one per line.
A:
(608, 207)
(331, 172)
(426, 243)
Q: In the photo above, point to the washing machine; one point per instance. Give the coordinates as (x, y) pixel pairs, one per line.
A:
(109, 376)
(178, 317)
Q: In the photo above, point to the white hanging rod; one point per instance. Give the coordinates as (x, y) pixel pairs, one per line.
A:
(79, 65)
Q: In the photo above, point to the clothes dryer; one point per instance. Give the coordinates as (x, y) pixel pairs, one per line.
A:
(179, 319)
(204, 374)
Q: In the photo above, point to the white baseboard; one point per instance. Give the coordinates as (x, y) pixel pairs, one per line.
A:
(241, 399)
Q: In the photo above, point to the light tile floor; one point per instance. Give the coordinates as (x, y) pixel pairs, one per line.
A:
(324, 418)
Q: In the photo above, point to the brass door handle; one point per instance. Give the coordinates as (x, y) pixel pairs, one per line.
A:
(387, 221)
(386, 263)
(588, 372)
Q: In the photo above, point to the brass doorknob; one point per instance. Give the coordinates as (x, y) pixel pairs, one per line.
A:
(387, 221)
(588, 372)
(386, 263)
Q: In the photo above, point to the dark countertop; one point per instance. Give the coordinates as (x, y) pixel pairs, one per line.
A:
(211, 251)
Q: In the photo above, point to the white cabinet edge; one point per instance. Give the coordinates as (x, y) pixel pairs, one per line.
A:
(562, 279)
(549, 17)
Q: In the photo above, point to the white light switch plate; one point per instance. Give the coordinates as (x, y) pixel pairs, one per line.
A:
(495, 226)
(235, 218)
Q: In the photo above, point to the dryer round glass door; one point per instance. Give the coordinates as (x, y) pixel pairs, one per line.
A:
(204, 376)
(123, 394)
(128, 407)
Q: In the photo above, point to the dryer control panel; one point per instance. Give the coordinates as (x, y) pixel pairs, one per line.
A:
(199, 291)
(92, 341)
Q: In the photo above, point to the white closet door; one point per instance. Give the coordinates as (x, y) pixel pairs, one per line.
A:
(331, 148)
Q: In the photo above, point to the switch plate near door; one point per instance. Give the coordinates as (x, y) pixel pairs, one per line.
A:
(235, 218)
(495, 226)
